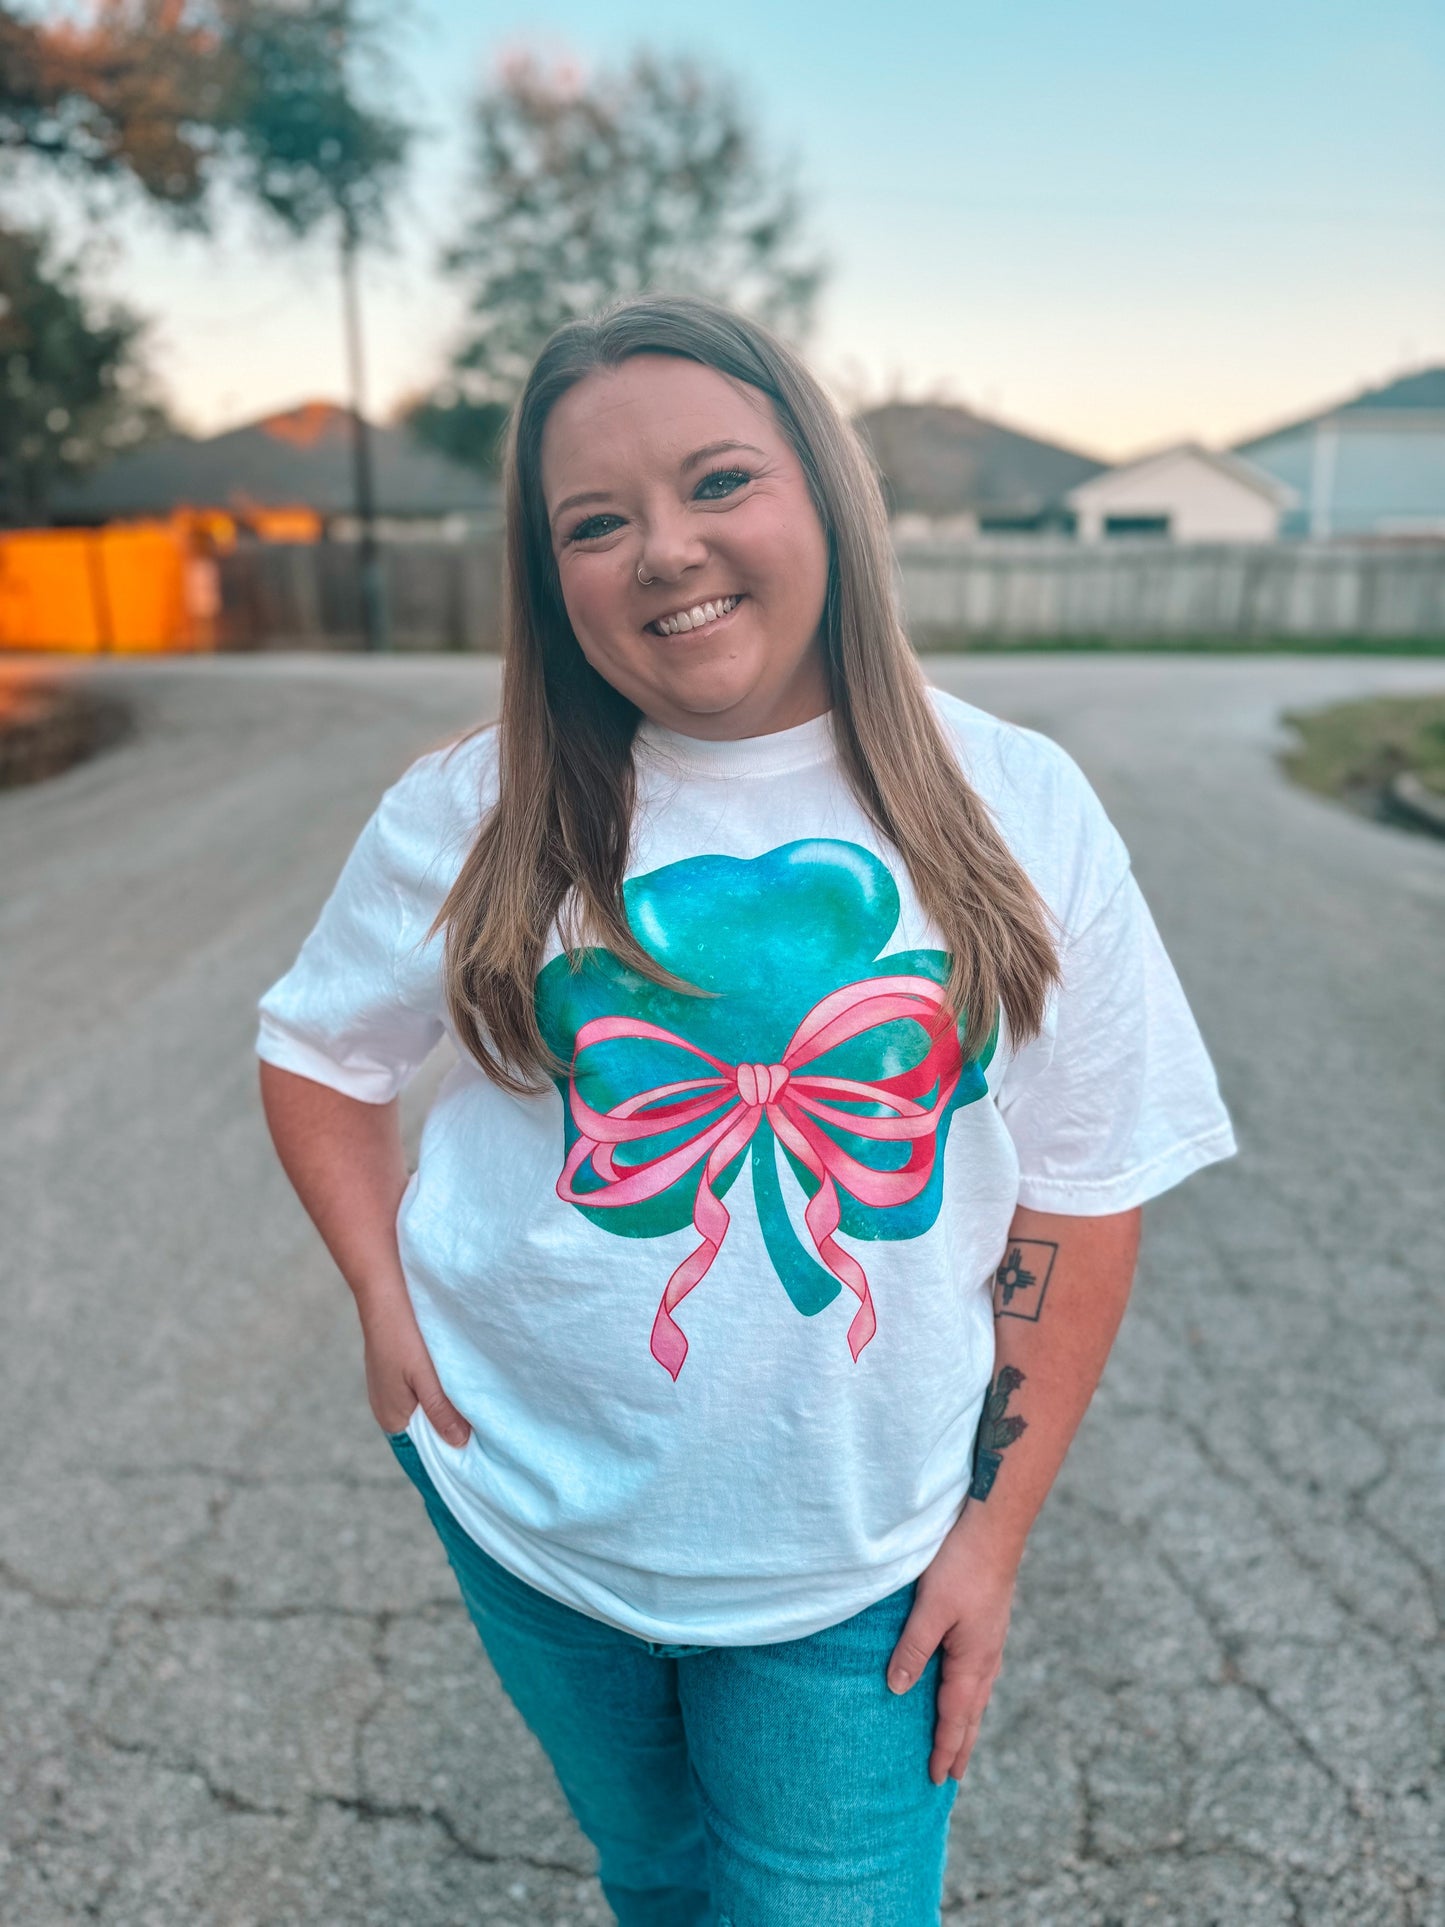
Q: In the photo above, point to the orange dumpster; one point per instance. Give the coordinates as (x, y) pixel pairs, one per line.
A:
(133, 587)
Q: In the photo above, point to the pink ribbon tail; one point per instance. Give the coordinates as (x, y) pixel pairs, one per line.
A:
(709, 1216)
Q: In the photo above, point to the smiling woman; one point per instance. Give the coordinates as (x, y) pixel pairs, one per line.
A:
(816, 1052)
(617, 517)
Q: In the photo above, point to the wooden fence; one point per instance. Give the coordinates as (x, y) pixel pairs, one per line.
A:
(1035, 586)
(447, 595)
(439, 595)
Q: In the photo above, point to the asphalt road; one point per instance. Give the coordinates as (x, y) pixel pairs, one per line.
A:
(236, 1684)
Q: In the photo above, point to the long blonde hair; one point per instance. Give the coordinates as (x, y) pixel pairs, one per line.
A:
(555, 847)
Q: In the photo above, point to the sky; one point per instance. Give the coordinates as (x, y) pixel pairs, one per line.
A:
(1117, 225)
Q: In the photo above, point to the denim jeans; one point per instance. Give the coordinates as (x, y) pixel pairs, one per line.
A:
(723, 1786)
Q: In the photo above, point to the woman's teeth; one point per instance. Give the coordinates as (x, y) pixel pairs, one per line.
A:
(695, 618)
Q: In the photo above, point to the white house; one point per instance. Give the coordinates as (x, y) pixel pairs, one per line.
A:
(1183, 494)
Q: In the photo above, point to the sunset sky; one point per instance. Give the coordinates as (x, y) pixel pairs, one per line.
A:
(1114, 224)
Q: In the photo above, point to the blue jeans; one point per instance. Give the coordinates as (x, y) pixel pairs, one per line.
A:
(723, 1786)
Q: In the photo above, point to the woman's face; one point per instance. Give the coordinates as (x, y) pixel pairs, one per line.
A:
(667, 464)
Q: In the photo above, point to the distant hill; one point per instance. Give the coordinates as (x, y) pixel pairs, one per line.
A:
(940, 460)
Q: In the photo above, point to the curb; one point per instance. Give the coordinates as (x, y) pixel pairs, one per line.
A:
(1421, 804)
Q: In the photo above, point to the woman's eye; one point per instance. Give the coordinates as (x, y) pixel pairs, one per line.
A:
(590, 529)
(729, 481)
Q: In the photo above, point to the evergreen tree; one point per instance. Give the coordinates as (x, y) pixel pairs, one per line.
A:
(72, 389)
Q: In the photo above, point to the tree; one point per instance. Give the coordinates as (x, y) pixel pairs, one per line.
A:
(175, 95)
(589, 189)
(72, 390)
(468, 431)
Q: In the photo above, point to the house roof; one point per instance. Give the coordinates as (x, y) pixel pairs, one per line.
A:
(938, 459)
(301, 456)
(1423, 391)
(1246, 474)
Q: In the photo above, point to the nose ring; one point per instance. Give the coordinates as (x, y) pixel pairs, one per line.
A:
(646, 580)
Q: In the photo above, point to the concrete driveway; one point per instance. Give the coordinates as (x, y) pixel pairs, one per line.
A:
(236, 1684)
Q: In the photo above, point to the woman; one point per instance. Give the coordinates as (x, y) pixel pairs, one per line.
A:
(816, 1052)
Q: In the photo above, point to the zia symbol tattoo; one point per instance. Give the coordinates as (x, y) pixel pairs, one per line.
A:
(997, 1428)
(1023, 1276)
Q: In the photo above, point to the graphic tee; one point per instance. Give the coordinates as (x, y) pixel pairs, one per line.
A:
(718, 1307)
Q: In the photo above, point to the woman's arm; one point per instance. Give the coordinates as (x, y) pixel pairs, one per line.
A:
(345, 1161)
(1059, 1295)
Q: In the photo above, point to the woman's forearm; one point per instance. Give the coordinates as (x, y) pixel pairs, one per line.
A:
(1059, 1295)
(346, 1164)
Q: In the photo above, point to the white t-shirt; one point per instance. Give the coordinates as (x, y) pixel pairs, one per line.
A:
(719, 1309)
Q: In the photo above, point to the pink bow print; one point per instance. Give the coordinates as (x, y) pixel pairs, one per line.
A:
(796, 1105)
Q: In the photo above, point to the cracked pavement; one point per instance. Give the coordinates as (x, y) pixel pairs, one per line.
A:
(237, 1685)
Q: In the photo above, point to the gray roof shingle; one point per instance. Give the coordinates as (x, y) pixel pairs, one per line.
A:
(301, 457)
(939, 459)
(1423, 390)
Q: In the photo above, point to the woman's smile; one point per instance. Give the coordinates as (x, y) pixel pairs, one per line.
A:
(704, 616)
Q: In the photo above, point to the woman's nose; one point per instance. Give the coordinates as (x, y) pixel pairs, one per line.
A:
(671, 545)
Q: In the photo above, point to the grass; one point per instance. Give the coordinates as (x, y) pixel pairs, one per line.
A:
(1353, 751)
(954, 641)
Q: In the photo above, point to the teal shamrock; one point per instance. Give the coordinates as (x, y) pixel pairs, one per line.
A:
(669, 1094)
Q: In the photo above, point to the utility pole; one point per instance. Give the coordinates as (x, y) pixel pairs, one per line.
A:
(372, 586)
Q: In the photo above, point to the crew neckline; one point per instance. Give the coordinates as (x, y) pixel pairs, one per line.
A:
(782, 749)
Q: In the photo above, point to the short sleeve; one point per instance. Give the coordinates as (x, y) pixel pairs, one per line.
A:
(363, 1005)
(1117, 1100)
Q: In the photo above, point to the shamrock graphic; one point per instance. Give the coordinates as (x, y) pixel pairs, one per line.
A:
(813, 1044)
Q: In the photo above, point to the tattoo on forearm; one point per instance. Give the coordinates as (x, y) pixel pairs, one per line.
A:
(1022, 1279)
(997, 1429)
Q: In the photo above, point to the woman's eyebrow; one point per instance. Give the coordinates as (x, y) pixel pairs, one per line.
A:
(689, 462)
(577, 501)
(717, 448)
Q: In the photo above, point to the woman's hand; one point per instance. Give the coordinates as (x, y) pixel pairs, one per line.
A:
(962, 1602)
(400, 1374)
